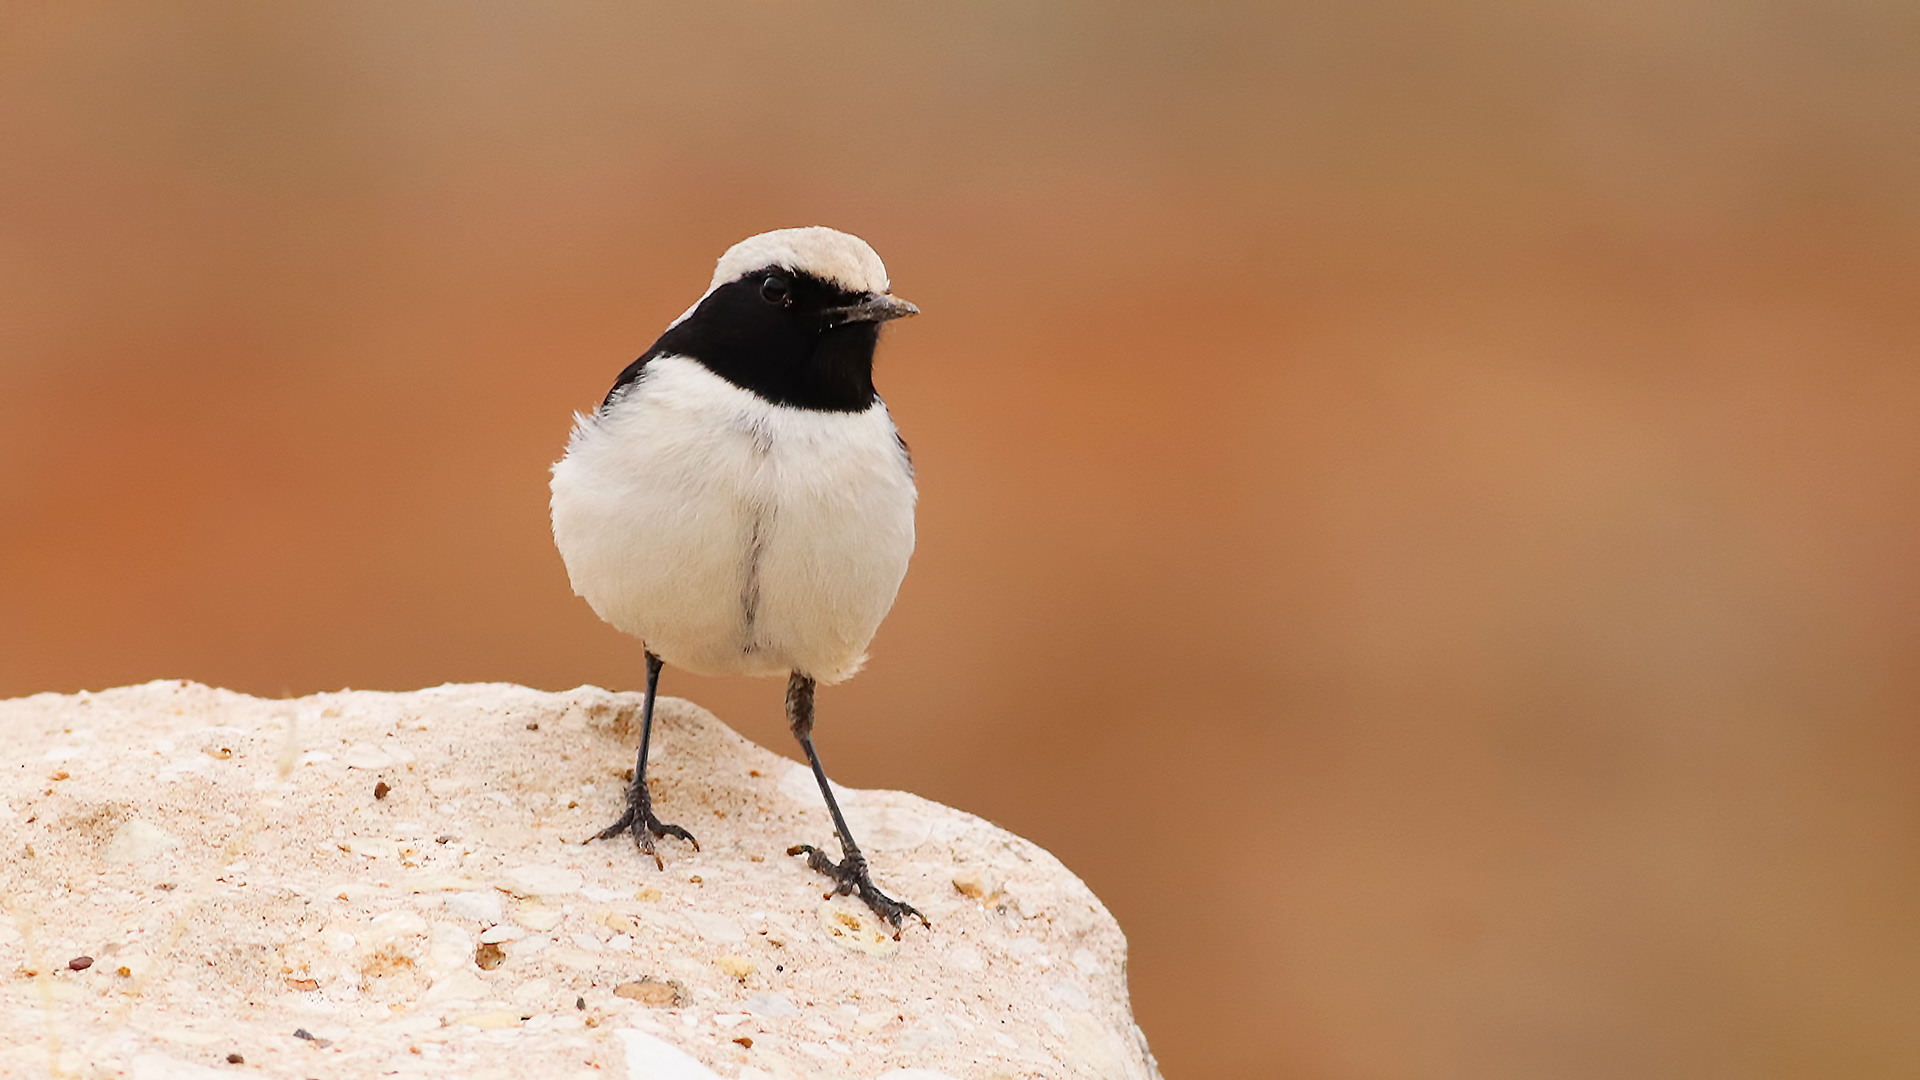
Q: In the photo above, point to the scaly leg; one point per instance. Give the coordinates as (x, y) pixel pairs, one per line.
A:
(850, 874)
(638, 817)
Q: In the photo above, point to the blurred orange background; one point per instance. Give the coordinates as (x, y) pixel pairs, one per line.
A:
(1420, 502)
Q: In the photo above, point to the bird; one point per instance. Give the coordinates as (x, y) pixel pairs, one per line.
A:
(742, 502)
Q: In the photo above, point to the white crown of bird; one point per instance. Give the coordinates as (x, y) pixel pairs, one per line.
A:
(828, 254)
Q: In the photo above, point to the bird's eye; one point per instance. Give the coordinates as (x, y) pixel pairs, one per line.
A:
(775, 290)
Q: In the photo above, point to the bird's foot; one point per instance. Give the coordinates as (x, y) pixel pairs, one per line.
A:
(850, 875)
(639, 820)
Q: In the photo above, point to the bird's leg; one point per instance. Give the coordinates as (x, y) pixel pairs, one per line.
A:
(639, 813)
(850, 874)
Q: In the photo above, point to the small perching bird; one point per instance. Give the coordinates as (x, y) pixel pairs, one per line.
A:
(741, 501)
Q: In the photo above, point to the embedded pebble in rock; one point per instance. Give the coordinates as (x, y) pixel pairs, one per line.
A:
(541, 881)
(137, 841)
(770, 1005)
(477, 906)
(250, 904)
(852, 924)
(652, 1058)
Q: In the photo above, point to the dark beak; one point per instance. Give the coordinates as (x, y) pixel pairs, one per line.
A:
(874, 308)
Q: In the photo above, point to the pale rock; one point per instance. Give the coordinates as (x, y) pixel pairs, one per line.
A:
(773, 1006)
(1101, 1047)
(965, 958)
(535, 880)
(426, 883)
(161, 1067)
(568, 956)
(537, 917)
(458, 986)
(533, 990)
(652, 1058)
(364, 756)
(451, 950)
(132, 963)
(797, 783)
(479, 906)
(978, 883)
(365, 927)
(851, 924)
(497, 1019)
(713, 926)
(394, 924)
(1070, 995)
(888, 827)
(372, 847)
(137, 841)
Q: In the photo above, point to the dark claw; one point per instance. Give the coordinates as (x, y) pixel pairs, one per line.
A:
(850, 875)
(643, 834)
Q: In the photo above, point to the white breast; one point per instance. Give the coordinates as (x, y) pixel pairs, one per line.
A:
(731, 535)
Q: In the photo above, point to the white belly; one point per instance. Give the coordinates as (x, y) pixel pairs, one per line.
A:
(731, 535)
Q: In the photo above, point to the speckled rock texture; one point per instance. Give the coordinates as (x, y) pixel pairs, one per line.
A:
(202, 884)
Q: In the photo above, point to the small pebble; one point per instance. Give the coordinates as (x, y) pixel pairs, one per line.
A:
(648, 992)
(580, 1003)
(236, 1059)
(380, 789)
(303, 1033)
(80, 963)
(534, 726)
(857, 928)
(977, 883)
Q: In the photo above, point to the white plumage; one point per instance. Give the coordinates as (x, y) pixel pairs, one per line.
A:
(732, 535)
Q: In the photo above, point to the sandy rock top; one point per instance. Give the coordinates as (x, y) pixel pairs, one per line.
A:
(202, 884)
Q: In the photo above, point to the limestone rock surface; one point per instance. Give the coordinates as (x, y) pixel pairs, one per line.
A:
(200, 884)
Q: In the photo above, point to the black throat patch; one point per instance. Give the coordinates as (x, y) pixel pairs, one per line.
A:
(771, 332)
